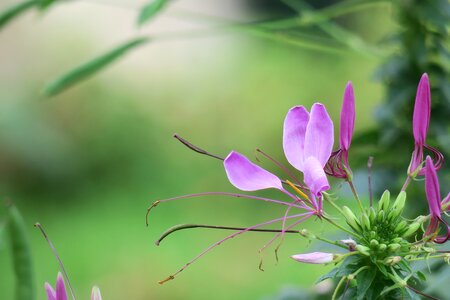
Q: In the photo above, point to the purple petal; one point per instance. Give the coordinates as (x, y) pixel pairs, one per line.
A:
(445, 201)
(314, 258)
(432, 188)
(51, 294)
(422, 107)
(315, 177)
(347, 117)
(247, 176)
(294, 135)
(319, 134)
(60, 288)
(95, 295)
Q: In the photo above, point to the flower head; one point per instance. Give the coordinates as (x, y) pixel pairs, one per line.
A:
(307, 143)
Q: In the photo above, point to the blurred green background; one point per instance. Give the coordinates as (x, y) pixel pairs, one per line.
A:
(87, 163)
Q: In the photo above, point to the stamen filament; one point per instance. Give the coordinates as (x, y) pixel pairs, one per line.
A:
(201, 254)
(297, 190)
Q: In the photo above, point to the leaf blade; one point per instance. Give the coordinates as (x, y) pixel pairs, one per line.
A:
(150, 10)
(16, 10)
(87, 69)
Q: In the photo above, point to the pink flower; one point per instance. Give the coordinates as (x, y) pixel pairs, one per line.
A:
(434, 202)
(314, 257)
(338, 166)
(61, 294)
(421, 120)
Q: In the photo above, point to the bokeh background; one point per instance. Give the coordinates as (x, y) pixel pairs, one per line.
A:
(88, 162)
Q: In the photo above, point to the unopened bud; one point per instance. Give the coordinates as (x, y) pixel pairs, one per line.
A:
(400, 226)
(372, 215)
(421, 219)
(382, 247)
(393, 247)
(411, 229)
(399, 204)
(380, 216)
(351, 244)
(384, 201)
(365, 221)
(363, 250)
(397, 240)
(372, 234)
(392, 260)
(316, 257)
(374, 244)
(350, 218)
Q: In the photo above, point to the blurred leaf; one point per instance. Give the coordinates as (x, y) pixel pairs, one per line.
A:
(15, 10)
(365, 280)
(150, 10)
(20, 249)
(2, 234)
(46, 3)
(85, 70)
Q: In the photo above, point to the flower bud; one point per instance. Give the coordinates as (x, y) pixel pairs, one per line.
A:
(351, 218)
(400, 226)
(363, 249)
(399, 204)
(393, 247)
(372, 215)
(411, 229)
(374, 244)
(392, 260)
(380, 216)
(350, 243)
(384, 201)
(382, 247)
(315, 257)
(365, 221)
(397, 240)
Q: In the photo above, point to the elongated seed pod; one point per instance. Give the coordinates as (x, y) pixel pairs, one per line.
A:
(411, 229)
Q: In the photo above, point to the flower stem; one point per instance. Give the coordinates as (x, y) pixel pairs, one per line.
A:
(341, 282)
(352, 187)
(405, 185)
(342, 228)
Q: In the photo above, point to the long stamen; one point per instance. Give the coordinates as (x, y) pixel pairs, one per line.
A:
(219, 194)
(297, 190)
(195, 148)
(190, 226)
(289, 173)
(286, 230)
(297, 200)
(223, 240)
(39, 226)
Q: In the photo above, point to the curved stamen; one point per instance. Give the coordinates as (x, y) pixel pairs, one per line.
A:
(154, 204)
(201, 254)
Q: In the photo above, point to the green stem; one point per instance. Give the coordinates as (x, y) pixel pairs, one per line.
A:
(342, 228)
(338, 287)
(336, 243)
(352, 187)
(427, 257)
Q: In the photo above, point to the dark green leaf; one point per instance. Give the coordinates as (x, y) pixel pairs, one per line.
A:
(15, 10)
(365, 279)
(150, 10)
(46, 3)
(85, 70)
(22, 261)
(331, 274)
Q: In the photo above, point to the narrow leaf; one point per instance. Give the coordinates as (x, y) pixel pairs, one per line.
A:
(15, 10)
(87, 69)
(150, 10)
(20, 249)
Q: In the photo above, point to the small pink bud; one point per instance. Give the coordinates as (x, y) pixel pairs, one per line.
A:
(314, 257)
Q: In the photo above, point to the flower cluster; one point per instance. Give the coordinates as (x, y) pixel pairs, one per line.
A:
(380, 244)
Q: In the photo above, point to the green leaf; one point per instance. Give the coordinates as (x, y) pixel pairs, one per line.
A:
(331, 274)
(87, 69)
(46, 3)
(15, 10)
(150, 10)
(365, 280)
(22, 261)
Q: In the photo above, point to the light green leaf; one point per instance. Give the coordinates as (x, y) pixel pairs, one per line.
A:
(15, 10)
(87, 69)
(20, 249)
(150, 10)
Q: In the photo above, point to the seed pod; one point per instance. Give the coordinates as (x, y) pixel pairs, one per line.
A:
(400, 226)
(411, 229)
(382, 247)
(384, 201)
(399, 204)
(393, 247)
(363, 249)
(351, 218)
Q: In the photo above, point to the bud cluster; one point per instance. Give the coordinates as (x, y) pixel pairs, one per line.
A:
(382, 232)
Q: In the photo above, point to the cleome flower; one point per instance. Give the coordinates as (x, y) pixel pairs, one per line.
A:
(60, 292)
